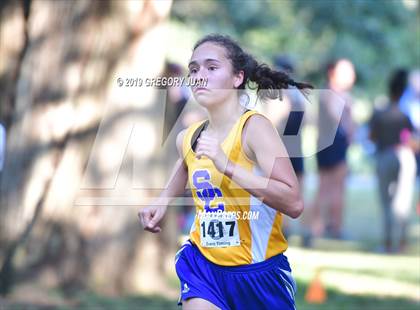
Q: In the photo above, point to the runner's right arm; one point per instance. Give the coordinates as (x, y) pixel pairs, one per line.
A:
(152, 215)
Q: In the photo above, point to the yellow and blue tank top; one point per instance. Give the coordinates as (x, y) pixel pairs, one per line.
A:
(258, 233)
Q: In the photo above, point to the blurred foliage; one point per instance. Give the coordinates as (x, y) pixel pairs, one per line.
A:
(376, 35)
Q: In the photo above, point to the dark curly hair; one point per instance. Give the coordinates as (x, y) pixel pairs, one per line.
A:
(268, 82)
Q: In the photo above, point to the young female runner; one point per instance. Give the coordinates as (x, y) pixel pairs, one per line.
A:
(234, 162)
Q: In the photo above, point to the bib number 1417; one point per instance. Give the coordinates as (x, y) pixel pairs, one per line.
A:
(215, 229)
(219, 233)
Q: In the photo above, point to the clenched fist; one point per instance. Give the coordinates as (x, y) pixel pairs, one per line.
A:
(151, 216)
(210, 147)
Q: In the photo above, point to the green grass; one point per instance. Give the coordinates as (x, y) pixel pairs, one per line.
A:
(94, 301)
(353, 280)
(362, 214)
(357, 279)
(338, 301)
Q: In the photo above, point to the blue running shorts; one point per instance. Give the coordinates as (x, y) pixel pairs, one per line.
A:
(264, 285)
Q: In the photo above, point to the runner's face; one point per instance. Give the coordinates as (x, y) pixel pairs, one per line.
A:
(209, 62)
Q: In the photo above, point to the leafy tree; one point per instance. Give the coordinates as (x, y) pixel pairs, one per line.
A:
(376, 35)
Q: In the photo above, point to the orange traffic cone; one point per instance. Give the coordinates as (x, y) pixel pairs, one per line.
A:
(316, 293)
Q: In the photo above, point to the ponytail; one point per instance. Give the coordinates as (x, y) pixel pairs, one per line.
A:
(270, 82)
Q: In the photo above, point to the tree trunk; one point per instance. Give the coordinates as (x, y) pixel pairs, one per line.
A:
(58, 83)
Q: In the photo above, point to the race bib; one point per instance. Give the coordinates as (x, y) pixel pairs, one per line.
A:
(219, 229)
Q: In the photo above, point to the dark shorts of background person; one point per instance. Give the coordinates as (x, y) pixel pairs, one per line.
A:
(264, 285)
(297, 163)
(335, 153)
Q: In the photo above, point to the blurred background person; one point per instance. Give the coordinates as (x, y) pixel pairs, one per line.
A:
(410, 106)
(177, 97)
(391, 130)
(289, 124)
(410, 99)
(332, 166)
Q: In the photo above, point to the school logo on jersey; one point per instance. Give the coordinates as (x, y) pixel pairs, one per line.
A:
(206, 191)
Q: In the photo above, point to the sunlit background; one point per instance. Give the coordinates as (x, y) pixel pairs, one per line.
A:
(83, 154)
